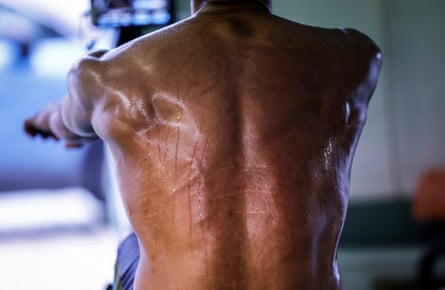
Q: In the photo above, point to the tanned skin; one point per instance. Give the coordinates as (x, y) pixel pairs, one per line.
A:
(233, 132)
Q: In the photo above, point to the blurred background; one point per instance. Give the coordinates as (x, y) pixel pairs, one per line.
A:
(60, 214)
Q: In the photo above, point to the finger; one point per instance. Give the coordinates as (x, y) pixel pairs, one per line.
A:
(47, 134)
(33, 131)
(29, 128)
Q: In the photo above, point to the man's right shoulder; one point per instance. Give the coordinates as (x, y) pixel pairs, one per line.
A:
(361, 42)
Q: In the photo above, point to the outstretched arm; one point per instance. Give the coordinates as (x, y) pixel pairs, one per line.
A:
(70, 119)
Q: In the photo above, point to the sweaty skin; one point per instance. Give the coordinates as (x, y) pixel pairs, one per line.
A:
(233, 132)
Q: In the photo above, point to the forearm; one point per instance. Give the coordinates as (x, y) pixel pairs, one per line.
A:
(56, 124)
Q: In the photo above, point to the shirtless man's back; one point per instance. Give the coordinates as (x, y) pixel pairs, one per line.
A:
(233, 133)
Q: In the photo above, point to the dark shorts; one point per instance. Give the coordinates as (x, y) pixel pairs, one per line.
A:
(126, 264)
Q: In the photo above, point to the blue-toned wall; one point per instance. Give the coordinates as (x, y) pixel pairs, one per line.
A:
(26, 86)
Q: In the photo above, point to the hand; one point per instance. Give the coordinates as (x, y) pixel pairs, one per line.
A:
(48, 124)
(39, 124)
